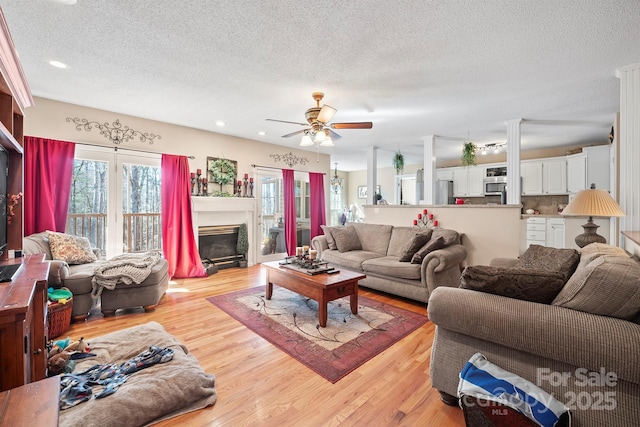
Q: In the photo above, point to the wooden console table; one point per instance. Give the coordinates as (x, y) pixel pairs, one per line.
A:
(23, 329)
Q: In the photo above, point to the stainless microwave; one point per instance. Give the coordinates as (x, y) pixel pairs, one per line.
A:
(494, 185)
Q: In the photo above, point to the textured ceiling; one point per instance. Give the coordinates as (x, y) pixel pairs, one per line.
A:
(455, 69)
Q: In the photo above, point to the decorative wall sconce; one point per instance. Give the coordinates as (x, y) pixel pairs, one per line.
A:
(116, 132)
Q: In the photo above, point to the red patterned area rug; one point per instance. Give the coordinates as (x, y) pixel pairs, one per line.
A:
(290, 322)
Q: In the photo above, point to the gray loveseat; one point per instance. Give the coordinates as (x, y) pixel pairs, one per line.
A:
(582, 345)
(78, 279)
(379, 253)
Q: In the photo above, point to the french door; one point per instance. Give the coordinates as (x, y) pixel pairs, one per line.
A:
(269, 192)
(115, 200)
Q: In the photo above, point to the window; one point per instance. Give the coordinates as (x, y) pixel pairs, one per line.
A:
(115, 200)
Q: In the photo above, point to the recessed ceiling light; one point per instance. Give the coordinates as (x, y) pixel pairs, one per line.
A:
(262, 133)
(66, 1)
(220, 123)
(58, 64)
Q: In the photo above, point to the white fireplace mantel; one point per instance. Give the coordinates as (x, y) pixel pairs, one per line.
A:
(208, 211)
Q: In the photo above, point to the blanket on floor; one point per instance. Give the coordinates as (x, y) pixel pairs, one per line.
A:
(150, 395)
(125, 268)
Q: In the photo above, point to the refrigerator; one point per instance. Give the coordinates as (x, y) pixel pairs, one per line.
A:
(444, 193)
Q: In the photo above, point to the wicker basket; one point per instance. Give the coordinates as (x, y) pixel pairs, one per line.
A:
(59, 318)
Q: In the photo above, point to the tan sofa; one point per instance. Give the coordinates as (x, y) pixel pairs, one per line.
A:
(381, 247)
(582, 346)
(78, 279)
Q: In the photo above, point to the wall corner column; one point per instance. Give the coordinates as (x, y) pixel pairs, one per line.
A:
(513, 161)
(429, 175)
(372, 174)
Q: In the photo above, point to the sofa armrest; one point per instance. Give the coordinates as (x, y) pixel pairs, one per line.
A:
(504, 262)
(319, 243)
(58, 272)
(578, 338)
(442, 267)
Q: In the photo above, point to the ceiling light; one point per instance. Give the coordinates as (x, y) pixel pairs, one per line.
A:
(220, 123)
(484, 151)
(262, 133)
(58, 64)
(336, 181)
(327, 142)
(320, 136)
(69, 2)
(306, 141)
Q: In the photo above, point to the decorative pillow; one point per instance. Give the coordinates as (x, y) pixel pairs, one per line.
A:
(451, 237)
(72, 249)
(327, 234)
(417, 241)
(595, 250)
(430, 246)
(346, 239)
(525, 284)
(608, 286)
(538, 257)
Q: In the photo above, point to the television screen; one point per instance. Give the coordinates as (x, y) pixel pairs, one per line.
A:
(4, 172)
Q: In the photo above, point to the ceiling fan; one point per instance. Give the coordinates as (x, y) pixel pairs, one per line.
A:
(318, 129)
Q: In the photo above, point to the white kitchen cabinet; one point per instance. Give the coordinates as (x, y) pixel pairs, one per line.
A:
(576, 172)
(536, 231)
(476, 181)
(531, 174)
(460, 182)
(468, 181)
(555, 233)
(554, 176)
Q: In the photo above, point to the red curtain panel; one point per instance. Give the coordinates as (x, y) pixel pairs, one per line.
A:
(290, 231)
(48, 167)
(178, 240)
(316, 204)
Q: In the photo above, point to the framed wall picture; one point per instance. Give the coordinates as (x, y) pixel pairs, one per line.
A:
(362, 191)
(221, 176)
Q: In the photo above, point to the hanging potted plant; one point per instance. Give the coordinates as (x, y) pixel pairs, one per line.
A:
(469, 154)
(398, 162)
(242, 247)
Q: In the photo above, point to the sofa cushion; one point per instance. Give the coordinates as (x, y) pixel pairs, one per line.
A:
(352, 260)
(525, 284)
(399, 237)
(595, 250)
(451, 237)
(391, 266)
(72, 249)
(539, 257)
(609, 285)
(373, 237)
(416, 242)
(37, 243)
(346, 239)
(329, 236)
(430, 246)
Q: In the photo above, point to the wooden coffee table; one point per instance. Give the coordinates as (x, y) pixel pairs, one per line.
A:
(321, 287)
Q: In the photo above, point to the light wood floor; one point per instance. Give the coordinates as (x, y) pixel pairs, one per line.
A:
(258, 384)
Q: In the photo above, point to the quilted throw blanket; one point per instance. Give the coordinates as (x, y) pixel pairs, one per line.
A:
(126, 268)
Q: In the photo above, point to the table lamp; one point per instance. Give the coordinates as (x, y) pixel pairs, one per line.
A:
(592, 203)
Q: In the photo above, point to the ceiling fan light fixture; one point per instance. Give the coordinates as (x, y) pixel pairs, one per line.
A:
(320, 137)
(326, 113)
(306, 141)
(328, 142)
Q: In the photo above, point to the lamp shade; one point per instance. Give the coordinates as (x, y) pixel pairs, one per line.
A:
(306, 141)
(593, 202)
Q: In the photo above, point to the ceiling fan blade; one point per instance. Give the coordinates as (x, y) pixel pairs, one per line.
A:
(285, 121)
(326, 113)
(294, 133)
(354, 125)
(334, 135)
